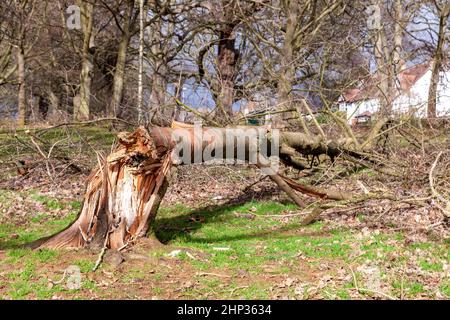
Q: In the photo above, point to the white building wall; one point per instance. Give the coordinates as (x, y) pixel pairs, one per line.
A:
(416, 98)
(356, 108)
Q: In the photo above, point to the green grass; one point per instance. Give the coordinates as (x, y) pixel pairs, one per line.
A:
(29, 278)
(84, 265)
(134, 274)
(250, 242)
(342, 294)
(249, 238)
(430, 266)
(255, 244)
(51, 204)
(209, 229)
(72, 142)
(255, 291)
(410, 289)
(445, 289)
(36, 224)
(31, 232)
(26, 280)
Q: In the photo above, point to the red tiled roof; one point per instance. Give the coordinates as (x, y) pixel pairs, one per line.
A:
(410, 76)
(351, 94)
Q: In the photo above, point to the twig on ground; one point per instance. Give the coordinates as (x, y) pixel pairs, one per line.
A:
(212, 274)
(362, 290)
(446, 209)
(102, 253)
(254, 183)
(237, 288)
(311, 217)
(59, 281)
(82, 123)
(123, 247)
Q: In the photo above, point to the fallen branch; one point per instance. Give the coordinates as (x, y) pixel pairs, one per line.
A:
(100, 256)
(212, 274)
(125, 189)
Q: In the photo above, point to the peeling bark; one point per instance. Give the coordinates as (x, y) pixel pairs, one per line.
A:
(122, 195)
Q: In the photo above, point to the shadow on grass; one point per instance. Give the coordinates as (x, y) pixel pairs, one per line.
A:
(19, 243)
(26, 235)
(167, 229)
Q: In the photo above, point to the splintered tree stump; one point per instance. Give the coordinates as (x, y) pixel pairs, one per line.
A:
(124, 191)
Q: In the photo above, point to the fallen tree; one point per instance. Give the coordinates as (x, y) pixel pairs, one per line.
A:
(124, 191)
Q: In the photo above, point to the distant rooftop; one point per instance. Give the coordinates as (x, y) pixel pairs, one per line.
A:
(369, 87)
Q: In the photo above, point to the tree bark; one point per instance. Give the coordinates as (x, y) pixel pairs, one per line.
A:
(389, 65)
(55, 103)
(383, 69)
(226, 61)
(119, 73)
(158, 81)
(397, 59)
(287, 66)
(21, 120)
(82, 111)
(122, 195)
(141, 59)
(437, 63)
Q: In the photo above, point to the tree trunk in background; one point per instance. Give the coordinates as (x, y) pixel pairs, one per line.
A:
(141, 61)
(22, 105)
(389, 65)
(437, 63)
(179, 87)
(383, 70)
(83, 111)
(54, 106)
(119, 72)
(287, 72)
(226, 62)
(158, 89)
(158, 84)
(397, 59)
(5, 71)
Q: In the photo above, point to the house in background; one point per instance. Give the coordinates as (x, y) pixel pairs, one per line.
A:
(363, 118)
(412, 95)
(355, 102)
(257, 113)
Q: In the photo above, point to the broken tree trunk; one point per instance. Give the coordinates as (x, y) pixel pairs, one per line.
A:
(124, 192)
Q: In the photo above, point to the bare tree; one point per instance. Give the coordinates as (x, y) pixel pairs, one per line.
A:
(20, 24)
(439, 56)
(82, 109)
(126, 32)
